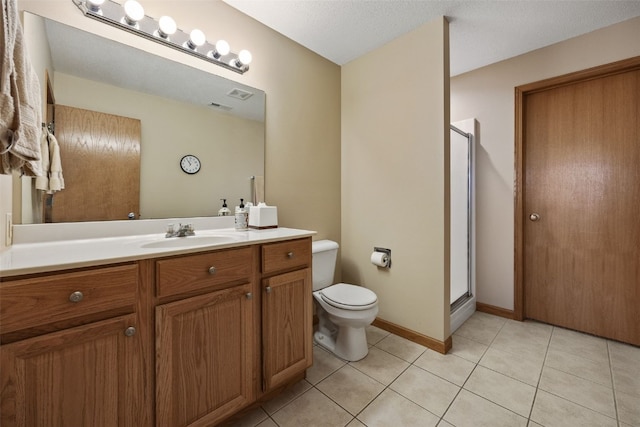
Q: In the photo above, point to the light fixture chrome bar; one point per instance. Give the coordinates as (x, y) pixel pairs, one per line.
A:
(112, 13)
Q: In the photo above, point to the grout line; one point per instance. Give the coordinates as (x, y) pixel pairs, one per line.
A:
(544, 361)
(613, 387)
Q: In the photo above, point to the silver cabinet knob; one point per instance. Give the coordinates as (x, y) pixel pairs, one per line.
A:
(76, 296)
(249, 295)
(130, 331)
(131, 215)
(534, 217)
(268, 289)
(212, 270)
(290, 255)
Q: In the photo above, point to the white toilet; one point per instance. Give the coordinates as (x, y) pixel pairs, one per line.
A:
(344, 311)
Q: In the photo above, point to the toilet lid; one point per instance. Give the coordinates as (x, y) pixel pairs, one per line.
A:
(349, 297)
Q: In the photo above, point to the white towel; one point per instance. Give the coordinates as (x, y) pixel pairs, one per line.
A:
(20, 100)
(51, 179)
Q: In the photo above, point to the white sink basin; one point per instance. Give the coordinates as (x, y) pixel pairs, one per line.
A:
(191, 241)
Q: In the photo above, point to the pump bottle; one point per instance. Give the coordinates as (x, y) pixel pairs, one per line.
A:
(242, 217)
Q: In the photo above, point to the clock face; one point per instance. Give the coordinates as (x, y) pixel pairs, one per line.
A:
(190, 164)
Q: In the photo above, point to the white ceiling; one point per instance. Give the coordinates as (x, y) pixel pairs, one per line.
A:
(481, 32)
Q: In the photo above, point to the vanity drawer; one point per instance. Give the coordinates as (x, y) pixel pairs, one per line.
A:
(286, 255)
(203, 271)
(38, 301)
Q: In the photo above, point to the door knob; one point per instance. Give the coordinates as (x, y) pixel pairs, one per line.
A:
(534, 217)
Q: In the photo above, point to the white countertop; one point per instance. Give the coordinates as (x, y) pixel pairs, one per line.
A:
(37, 257)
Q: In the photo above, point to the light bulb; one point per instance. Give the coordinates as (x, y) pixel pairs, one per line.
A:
(94, 5)
(166, 26)
(244, 56)
(133, 12)
(196, 38)
(222, 48)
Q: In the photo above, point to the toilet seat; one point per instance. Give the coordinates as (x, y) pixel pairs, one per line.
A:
(349, 297)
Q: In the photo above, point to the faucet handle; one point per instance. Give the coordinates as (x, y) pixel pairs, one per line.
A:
(171, 230)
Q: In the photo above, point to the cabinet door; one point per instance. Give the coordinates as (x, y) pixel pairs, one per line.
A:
(204, 357)
(286, 326)
(83, 376)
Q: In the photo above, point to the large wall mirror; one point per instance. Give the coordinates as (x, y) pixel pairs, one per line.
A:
(181, 111)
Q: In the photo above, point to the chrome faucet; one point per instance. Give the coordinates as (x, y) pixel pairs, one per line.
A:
(181, 231)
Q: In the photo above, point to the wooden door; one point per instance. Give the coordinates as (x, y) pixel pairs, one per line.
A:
(84, 376)
(204, 358)
(286, 326)
(581, 248)
(100, 155)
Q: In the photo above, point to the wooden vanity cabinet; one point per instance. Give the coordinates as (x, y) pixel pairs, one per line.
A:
(69, 355)
(205, 350)
(286, 311)
(212, 332)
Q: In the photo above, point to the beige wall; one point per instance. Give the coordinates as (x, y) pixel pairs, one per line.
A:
(230, 148)
(302, 151)
(395, 157)
(488, 95)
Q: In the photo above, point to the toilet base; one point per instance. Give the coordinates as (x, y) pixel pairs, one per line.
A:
(347, 343)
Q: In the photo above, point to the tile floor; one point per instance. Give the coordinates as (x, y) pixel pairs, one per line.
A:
(499, 373)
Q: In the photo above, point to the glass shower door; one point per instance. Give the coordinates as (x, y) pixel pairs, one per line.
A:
(461, 235)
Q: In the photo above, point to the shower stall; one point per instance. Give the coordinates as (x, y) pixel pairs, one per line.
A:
(462, 191)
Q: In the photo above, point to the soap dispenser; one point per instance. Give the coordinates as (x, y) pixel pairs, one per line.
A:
(242, 217)
(224, 210)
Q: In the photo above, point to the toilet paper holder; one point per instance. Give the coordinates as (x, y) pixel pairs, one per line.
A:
(386, 251)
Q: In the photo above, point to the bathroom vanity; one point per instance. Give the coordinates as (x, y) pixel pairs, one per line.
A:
(149, 332)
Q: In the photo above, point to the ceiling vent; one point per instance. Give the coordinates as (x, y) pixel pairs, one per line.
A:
(221, 106)
(239, 94)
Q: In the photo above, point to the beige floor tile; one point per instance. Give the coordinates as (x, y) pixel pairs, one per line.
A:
(467, 348)
(355, 423)
(267, 423)
(401, 347)
(626, 380)
(381, 366)
(583, 392)
(554, 411)
(515, 340)
(592, 370)
(481, 327)
(250, 419)
(444, 423)
(534, 424)
(391, 409)
(624, 356)
(427, 390)
(350, 388)
(375, 334)
(324, 364)
(628, 408)
(452, 368)
(579, 344)
(469, 410)
(522, 367)
(285, 397)
(502, 390)
(529, 329)
(312, 409)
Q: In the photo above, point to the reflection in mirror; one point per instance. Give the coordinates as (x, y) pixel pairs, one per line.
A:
(181, 110)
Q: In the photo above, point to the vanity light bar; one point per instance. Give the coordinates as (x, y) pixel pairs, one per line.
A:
(130, 17)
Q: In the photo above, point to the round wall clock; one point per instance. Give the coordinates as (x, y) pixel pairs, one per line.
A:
(190, 164)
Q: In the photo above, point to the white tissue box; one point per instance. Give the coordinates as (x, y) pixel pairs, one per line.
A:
(263, 216)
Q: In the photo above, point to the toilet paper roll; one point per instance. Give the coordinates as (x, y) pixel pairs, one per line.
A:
(380, 259)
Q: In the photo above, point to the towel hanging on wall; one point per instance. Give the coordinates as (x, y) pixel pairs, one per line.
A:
(51, 179)
(20, 103)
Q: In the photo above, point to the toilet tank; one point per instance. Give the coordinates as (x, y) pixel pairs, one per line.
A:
(324, 254)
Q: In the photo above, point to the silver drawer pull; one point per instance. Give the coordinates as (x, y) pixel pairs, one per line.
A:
(290, 255)
(130, 331)
(268, 289)
(76, 296)
(212, 270)
(249, 295)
